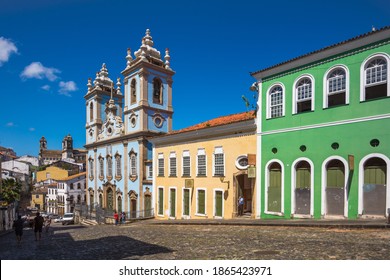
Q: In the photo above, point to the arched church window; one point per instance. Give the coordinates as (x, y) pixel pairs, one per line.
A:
(157, 91)
(133, 92)
(91, 112)
(109, 167)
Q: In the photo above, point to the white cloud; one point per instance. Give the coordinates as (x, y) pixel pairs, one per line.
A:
(10, 124)
(66, 87)
(31, 129)
(38, 71)
(46, 87)
(6, 49)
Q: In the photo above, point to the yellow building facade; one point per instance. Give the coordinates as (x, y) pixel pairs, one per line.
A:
(52, 172)
(200, 171)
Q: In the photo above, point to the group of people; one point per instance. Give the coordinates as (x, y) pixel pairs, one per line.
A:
(39, 223)
(119, 218)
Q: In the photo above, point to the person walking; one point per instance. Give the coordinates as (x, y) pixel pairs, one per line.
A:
(18, 226)
(116, 218)
(123, 217)
(47, 224)
(38, 224)
(240, 206)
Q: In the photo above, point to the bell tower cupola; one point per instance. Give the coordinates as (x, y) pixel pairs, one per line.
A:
(148, 89)
(100, 96)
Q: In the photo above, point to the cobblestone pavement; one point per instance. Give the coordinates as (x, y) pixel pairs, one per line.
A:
(150, 241)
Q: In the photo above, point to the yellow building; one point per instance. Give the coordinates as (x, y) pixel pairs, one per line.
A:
(38, 199)
(201, 171)
(53, 173)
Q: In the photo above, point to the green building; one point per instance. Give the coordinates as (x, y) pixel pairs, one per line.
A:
(323, 131)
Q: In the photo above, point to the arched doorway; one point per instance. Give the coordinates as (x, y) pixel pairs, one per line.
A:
(101, 200)
(302, 190)
(148, 203)
(243, 186)
(374, 187)
(133, 204)
(109, 199)
(119, 203)
(274, 199)
(335, 188)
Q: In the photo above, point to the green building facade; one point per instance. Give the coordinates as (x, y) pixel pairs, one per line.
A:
(323, 129)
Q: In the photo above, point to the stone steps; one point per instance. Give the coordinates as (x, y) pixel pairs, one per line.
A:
(88, 222)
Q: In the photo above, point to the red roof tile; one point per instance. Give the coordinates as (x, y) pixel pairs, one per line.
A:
(224, 120)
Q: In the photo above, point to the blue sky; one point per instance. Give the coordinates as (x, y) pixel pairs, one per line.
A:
(49, 48)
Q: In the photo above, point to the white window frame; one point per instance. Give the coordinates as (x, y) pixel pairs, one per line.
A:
(201, 152)
(109, 166)
(363, 85)
(149, 171)
(197, 202)
(269, 102)
(295, 94)
(118, 166)
(101, 167)
(217, 151)
(326, 85)
(133, 164)
(186, 153)
(160, 168)
(172, 169)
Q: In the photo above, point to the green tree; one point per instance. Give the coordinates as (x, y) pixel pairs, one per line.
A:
(10, 190)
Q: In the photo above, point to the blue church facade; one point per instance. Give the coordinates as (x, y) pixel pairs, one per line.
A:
(119, 126)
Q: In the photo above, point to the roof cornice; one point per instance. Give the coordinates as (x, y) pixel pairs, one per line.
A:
(242, 127)
(333, 50)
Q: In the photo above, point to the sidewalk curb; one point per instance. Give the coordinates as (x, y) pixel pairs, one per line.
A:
(281, 223)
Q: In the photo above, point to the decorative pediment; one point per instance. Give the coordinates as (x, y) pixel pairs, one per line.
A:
(133, 195)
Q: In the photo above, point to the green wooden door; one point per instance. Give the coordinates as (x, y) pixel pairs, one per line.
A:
(172, 210)
(335, 182)
(161, 201)
(186, 202)
(218, 203)
(148, 206)
(275, 188)
(201, 202)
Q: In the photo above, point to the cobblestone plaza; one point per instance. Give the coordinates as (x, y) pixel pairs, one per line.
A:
(151, 241)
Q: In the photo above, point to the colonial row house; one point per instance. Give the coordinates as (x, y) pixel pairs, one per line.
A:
(322, 132)
(202, 170)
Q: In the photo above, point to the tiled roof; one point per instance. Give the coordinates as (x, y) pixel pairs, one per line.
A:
(7, 154)
(323, 49)
(51, 153)
(73, 176)
(224, 120)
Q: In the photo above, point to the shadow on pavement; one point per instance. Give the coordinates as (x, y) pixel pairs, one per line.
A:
(60, 245)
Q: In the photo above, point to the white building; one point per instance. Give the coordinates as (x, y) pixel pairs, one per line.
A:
(29, 159)
(70, 191)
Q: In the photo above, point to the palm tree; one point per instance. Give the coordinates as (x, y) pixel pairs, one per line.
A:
(10, 190)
